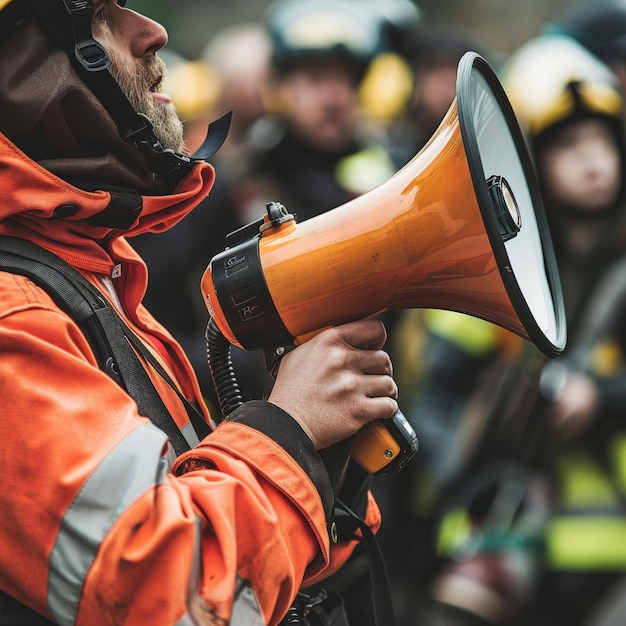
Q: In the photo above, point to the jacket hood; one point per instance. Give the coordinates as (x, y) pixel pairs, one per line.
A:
(63, 161)
(51, 115)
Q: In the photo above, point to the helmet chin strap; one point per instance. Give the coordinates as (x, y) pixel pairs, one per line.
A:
(68, 22)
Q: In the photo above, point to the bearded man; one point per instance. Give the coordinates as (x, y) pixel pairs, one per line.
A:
(103, 522)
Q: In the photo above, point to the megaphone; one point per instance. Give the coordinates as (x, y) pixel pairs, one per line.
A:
(460, 227)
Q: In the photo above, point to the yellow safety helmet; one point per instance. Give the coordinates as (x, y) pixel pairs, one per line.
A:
(553, 78)
(193, 85)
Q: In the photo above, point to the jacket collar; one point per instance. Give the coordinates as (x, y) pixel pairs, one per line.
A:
(38, 205)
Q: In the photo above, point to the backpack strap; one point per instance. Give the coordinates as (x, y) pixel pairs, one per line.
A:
(14, 613)
(110, 338)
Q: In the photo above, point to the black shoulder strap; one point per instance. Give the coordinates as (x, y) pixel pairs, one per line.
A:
(108, 335)
(14, 613)
(379, 592)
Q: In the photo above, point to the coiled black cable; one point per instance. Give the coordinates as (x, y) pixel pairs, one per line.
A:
(222, 371)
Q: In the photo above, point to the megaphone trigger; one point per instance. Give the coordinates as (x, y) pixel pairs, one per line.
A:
(385, 446)
(272, 356)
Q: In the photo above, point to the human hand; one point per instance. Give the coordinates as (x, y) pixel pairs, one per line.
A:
(337, 382)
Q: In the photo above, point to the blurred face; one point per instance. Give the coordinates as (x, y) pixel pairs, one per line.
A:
(434, 91)
(132, 42)
(321, 103)
(582, 168)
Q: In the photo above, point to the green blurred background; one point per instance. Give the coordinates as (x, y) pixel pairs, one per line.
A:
(501, 25)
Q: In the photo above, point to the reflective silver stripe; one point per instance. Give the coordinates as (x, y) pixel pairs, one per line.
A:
(133, 467)
(197, 609)
(190, 435)
(246, 611)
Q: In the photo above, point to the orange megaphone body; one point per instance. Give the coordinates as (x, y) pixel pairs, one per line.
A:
(460, 227)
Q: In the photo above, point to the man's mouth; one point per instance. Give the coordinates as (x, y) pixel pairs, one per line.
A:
(157, 94)
(164, 98)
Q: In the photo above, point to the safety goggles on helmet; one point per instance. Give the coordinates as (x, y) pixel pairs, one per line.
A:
(553, 78)
(305, 29)
(578, 97)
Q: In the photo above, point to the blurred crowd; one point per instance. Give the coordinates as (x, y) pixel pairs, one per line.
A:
(513, 511)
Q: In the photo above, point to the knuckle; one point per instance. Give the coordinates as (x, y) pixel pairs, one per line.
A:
(360, 406)
(384, 362)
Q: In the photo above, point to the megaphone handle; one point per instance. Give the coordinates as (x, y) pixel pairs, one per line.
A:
(385, 446)
(273, 355)
(381, 447)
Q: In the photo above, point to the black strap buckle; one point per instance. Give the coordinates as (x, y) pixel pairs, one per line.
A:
(142, 132)
(92, 56)
(90, 53)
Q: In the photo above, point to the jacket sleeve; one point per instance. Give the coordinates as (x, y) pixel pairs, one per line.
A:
(96, 528)
(282, 429)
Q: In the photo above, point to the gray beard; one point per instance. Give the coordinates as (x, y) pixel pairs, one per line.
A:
(168, 127)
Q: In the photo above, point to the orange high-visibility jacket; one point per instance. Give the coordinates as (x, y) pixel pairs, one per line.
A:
(97, 526)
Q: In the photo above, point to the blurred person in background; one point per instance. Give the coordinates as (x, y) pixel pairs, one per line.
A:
(535, 534)
(600, 26)
(308, 153)
(433, 60)
(240, 55)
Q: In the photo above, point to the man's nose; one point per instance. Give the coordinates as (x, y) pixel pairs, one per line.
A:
(148, 36)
